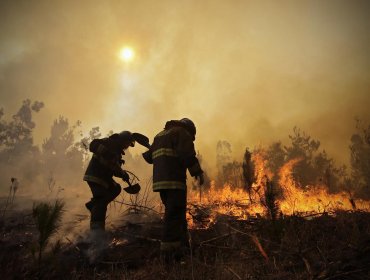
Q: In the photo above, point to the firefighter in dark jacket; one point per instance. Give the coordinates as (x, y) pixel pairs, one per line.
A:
(172, 153)
(105, 163)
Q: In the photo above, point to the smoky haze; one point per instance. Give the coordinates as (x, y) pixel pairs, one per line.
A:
(244, 71)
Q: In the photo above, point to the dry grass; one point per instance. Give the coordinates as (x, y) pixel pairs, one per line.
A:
(322, 247)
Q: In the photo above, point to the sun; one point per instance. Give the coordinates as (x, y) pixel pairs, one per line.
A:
(127, 54)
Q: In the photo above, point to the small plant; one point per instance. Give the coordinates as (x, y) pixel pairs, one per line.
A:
(47, 218)
(270, 202)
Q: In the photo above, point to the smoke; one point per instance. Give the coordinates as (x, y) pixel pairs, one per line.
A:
(244, 71)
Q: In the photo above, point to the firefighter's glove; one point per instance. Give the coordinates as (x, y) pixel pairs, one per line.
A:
(125, 177)
(200, 179)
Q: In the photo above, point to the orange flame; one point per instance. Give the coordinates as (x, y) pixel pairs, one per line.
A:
(241, 204)
(312, 198)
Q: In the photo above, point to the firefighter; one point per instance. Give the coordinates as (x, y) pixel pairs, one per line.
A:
(105, 163)
(172, 153)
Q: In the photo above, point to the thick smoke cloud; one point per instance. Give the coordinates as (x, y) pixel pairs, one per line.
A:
(244, 71)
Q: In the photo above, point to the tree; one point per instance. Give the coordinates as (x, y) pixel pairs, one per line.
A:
(327, 173)
(248, 172)
(222, 159)
(62, 157)
(233, 174)
(302, 147)
(360, 159)
(276, 157)
(18, 132)
(315, 166)
(19, 157)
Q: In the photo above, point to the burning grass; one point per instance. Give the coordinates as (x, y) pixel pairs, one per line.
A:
(301, 233)
(324, 246)
(284, 196)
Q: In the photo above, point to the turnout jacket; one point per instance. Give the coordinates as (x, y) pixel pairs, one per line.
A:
(105, 162)
(171, 154)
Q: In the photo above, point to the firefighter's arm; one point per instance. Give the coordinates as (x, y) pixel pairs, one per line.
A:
(120, 173)
(186, 152)
(115, 166)
(200, 178)
(148, 156)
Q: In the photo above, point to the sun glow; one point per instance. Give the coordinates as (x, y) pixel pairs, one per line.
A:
(127, 54)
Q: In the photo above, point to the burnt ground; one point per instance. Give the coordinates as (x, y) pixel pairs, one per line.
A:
(321, 246)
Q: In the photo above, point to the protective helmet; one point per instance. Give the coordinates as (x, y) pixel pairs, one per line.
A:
(126, 136)
(190, 126)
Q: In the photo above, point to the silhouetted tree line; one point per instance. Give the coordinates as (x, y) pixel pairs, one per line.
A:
(59, 162)
(360, 159)
(61, 159)
(315, 167)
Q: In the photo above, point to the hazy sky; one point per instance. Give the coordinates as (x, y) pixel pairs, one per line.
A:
(244, 71)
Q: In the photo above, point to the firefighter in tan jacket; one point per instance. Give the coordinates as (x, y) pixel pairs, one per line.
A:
(172, 153)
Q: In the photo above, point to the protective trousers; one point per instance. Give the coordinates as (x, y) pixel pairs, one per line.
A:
(175, 230)
(102, 196)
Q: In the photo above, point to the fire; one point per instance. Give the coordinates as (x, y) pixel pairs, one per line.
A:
(225, 201)
(242, 204)
(314, 199)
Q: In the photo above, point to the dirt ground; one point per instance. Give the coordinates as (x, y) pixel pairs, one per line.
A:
(317, 246)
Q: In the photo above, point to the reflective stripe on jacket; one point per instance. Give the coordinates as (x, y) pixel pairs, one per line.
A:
(104, 164)
(99, 173)
(171, 154)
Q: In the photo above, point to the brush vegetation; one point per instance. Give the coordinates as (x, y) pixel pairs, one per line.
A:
(335, 246)
(47, 219)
